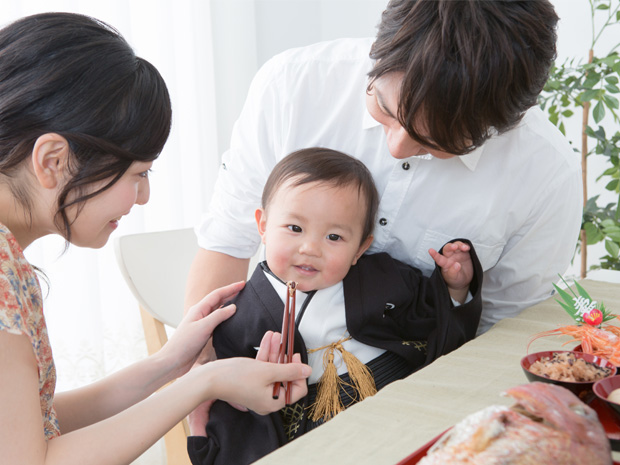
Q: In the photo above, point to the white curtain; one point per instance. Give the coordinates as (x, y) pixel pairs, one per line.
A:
(207, 52)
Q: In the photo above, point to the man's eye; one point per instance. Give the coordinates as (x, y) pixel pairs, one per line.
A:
(333, 237)
(145, 174)
(294, 228)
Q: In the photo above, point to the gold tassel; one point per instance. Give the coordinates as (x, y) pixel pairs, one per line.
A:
(328, 403)
(360, 375)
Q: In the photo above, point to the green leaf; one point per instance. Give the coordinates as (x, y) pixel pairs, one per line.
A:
(582, 292)
(567, 113)
(612, 248)
(589, 95)
(562, 128)
(554, 118)
(567, 286)
(598, 134)
(611, 79)
(614, 236)
(612, 102)
(593, 234)
(612, 185)
(602, 6)
(612, 88)
(570, 310)
(568, 299)
(599, 112)
(591, 82)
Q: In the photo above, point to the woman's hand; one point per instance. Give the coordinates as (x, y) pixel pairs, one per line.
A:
(249, 383)
(194, 331)
(267, 352)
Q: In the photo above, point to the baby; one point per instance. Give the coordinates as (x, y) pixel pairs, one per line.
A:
(362, 321)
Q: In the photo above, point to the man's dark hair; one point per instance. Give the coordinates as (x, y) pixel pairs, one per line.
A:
(470, 67)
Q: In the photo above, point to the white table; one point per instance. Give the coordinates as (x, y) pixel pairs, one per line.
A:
(405, 415)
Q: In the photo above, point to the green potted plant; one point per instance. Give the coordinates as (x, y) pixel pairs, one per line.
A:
(589, 89)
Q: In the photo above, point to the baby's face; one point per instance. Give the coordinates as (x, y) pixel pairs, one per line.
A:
(313, 233)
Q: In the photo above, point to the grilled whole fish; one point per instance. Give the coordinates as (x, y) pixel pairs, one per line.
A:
(547, 425)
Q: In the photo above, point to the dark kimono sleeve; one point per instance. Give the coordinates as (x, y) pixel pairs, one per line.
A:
(394, 306)
(235, 437)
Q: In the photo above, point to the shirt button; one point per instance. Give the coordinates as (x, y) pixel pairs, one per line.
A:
(382, 221)
(406, 166)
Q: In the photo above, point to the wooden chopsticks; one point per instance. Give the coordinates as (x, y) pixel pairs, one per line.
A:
(287, 338)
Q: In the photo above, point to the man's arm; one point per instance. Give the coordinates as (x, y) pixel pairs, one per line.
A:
(212, 270)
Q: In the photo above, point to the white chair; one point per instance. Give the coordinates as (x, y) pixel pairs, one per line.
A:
(155, 266)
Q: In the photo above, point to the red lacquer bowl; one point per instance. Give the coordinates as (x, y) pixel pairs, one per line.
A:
(580, 389)
(604, 387)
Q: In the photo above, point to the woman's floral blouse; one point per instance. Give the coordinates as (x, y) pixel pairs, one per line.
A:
(21, 312)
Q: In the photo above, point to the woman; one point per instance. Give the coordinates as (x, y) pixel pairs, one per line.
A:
(81, 121)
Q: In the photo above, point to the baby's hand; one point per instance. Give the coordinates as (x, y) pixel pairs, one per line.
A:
(456, 268)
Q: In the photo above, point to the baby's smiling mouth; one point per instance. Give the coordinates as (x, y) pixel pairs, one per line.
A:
(306, 268)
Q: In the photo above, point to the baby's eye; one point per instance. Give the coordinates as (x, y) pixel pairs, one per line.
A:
(294, 228)
(334, 237)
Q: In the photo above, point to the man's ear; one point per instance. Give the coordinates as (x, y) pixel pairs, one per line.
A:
(261, 222)
(363, 248)
(50, 155)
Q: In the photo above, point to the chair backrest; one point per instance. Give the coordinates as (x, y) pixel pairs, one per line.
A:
(155, 266)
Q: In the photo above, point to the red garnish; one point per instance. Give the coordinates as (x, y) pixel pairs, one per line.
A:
(594, 317)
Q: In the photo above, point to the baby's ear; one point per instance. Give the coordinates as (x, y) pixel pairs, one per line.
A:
(261, 222)
(50, 155)
(363, 248)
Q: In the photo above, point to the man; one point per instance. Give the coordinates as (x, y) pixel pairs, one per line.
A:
(443, 112)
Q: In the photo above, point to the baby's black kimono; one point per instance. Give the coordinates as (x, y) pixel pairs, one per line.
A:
(388, 304)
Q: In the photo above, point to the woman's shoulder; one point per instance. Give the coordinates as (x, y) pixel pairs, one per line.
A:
(20, 294)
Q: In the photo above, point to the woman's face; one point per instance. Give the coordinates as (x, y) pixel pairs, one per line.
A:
(99, 216)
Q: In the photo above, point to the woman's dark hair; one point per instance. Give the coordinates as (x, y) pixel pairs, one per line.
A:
(76, 76)
(470, 66)
(317, 164)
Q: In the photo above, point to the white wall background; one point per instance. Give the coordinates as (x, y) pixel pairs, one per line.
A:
(207, 52)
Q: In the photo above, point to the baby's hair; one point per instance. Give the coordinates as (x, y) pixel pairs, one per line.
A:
(322, 165)
(77, 77)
